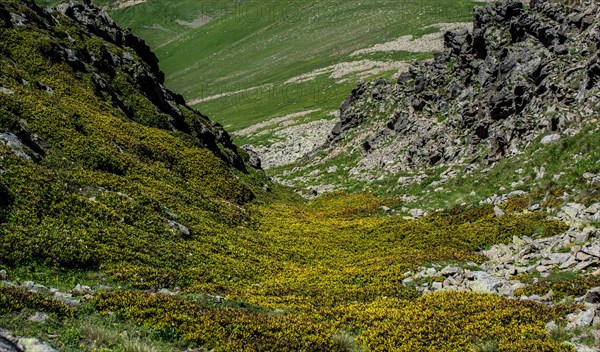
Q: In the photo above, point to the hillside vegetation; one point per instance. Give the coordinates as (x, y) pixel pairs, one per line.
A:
(131, 222)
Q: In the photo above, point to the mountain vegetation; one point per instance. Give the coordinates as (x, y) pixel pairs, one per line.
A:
(130, 221)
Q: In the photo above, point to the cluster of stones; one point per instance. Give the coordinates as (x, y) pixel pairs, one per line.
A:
(80, 293)
(576, 250)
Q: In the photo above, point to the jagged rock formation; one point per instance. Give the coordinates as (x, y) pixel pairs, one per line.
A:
(120, 77)
(521, 72)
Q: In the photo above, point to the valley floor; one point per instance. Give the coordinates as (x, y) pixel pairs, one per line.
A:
(339, 273)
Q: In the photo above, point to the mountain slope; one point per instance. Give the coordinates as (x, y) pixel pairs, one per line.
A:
(491, 88)
(95, 150)
(129, 222)
(238, 65)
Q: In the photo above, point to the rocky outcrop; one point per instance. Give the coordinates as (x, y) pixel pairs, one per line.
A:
(101, 24)
(521, 72)
(348, 118)
(24, 143)
(121, 68)
(11, 343)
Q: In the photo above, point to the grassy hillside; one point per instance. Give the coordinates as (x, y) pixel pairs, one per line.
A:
(211, 48)
(77, 170)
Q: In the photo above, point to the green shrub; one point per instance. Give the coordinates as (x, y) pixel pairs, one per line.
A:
(14, 299)
(561, 289)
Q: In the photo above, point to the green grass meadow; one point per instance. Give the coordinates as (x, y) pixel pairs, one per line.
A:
(248, 44)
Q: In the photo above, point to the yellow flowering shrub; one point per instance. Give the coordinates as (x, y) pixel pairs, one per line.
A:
(448, 321)
(576, 287)
(14, 299)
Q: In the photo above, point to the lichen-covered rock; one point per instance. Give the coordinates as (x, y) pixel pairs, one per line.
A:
(8, 342)
(35, 345)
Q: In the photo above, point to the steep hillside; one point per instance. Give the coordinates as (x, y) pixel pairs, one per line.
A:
(95, 151)
(131, 222)
(162, 22)
(84, 108)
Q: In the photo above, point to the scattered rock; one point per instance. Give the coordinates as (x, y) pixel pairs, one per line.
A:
(551, 326)
(180, 229)
(66, 298)
(15, 145)
(582, 319)
(451, 270)
(82, 290)
(581, 256)
(593, 296)
(6, 91)
(593, 250)
(38, 317)
(550, 139)
(430, 272)
(583, 265)
(417, 213)
(164, 291)
(498, 212)
(484, 282)
(580, 347)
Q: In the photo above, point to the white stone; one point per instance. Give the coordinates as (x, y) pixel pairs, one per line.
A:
(551, 326)
(35, 345)
(583, 319)
(550, 139)
(38, 317)
(451, 270)
(6, 91)
(82, 290)
(430, 272)
(484, 282)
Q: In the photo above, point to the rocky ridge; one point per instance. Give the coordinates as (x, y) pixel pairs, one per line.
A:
(522, 72)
